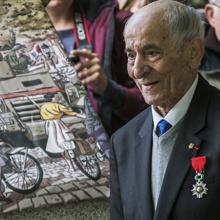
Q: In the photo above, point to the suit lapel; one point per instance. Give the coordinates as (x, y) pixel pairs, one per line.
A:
(143, 169)
(180, 159)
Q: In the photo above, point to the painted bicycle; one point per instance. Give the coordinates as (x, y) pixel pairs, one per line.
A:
(22, 172)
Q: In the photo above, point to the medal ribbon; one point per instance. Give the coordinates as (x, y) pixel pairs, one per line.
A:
(198, 163)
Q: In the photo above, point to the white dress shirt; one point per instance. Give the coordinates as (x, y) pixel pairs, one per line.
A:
(179, 110)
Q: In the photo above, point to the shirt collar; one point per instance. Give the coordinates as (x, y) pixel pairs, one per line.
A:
(179, 110)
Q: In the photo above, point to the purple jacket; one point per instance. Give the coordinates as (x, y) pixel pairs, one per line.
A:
(122, 99)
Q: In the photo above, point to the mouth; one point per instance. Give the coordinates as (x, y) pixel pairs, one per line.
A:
(149, 84)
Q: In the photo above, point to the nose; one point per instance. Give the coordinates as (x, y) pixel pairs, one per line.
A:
(140, 68)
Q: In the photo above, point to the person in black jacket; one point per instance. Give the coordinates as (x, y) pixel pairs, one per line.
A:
(165, 161)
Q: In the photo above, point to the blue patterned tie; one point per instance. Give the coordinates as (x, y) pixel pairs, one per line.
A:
(162, 127)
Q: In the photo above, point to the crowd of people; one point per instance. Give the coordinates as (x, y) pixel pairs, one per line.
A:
(147, 67)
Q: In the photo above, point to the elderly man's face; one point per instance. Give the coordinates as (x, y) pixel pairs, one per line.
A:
(160, 70)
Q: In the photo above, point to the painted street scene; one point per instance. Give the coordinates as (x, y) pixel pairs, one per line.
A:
(53, 147)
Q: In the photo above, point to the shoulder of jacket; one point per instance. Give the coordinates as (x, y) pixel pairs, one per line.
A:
(134, 124)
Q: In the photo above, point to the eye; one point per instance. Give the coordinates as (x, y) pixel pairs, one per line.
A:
(153, 55)
(131, 56)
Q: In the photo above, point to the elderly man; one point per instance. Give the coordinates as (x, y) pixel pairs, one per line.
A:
(165, 161)
(210, 65)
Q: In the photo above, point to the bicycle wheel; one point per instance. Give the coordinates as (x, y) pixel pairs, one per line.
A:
(22, 176)
(88, 165)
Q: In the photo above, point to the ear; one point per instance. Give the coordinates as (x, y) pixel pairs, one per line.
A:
(195, 52)
(209, 13)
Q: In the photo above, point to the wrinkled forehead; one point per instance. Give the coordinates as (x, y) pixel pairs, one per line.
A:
(144, 28)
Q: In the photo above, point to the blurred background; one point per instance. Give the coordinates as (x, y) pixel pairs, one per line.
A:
(198, 3)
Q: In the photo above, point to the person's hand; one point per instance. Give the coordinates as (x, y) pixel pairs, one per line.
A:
(90, 71)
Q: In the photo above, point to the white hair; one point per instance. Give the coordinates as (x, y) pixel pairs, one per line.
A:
(183, 23)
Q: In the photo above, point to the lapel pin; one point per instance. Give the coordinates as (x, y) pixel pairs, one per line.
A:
(192, 146)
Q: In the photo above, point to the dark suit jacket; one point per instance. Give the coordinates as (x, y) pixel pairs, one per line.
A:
(131, 196)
